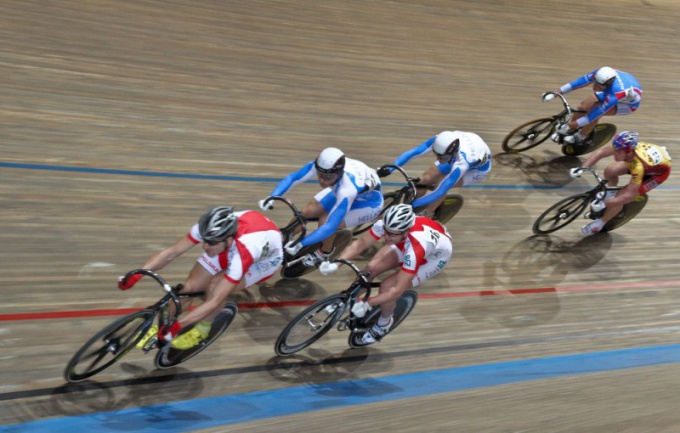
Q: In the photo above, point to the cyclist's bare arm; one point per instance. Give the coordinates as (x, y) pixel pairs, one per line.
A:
(599, 154)
(359, 245)
(159, 260)
(392, 288)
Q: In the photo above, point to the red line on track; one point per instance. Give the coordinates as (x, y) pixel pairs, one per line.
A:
(255, 305)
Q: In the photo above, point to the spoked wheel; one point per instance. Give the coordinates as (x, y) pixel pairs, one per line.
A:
(342, 238)
(168, 356)
(404, 307)
(560, 214)
(108, 345)
(528, 135)
(389, 200)
(450, 207)
(310, 325)
(602, 134)
(628, 213)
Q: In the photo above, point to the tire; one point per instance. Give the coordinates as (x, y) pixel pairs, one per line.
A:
(628, 213)
(602, 134)
(405, 305)
(310, 325)
(108, 345)
(168, 356)
(389, 200)
(528, 135)
(561, 213)
(449, 208)
(343, 237)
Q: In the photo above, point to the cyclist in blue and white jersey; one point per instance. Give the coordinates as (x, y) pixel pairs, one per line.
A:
(463, 158)
(616, 93)
(350, 196)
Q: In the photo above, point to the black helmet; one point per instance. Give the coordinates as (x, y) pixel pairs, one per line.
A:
(218, 224)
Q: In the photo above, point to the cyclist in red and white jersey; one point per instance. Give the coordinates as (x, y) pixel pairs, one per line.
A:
(240, 249)
(418, 245)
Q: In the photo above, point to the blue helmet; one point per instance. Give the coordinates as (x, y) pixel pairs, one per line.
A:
(626, 140)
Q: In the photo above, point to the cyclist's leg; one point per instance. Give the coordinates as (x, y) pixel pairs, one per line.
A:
(431, 176)
(365, 210)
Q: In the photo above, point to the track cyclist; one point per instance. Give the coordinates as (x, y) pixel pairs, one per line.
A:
(240, 249)
(420, 246)
(462, 158)
(649, 166)
(614, 93)
(350, 196)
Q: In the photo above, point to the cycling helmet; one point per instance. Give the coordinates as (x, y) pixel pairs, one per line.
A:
(330, 160)
(605, 76)
(399, 218)
(446, 143)
(626, 140)
(218, 224)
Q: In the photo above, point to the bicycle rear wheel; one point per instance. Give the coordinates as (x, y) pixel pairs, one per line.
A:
(601, 135)
(108, 345)
(628, 213)
(342, 238)
(168, 356)
(528, 135)
(449, 208)
(310, 325)
(405, 305)
(561, 213)
(389, 200)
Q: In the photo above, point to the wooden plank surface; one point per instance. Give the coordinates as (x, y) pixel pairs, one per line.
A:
(243, 93)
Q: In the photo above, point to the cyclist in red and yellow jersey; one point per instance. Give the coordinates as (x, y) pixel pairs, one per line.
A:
(647, 164)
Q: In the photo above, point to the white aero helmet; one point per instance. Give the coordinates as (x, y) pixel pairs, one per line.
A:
(399, 218)
(605, 76)
(330, 160)
(446, 143)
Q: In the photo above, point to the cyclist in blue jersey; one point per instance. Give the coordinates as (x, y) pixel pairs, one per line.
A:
(463, 158)
(350, 196)
(616, 93)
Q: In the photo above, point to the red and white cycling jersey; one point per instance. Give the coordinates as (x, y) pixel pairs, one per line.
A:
(428, 242)
(256, 253)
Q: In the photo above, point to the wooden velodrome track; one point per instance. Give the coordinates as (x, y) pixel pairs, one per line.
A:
(122, 121)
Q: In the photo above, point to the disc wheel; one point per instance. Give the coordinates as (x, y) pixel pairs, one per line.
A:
(628, 213)
(405, 305)
(602, 134)
(449, 208)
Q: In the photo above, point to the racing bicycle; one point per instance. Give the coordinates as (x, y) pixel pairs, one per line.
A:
(530, 134)
(115, 340)
(293, 267)
(406, 194)
(567, 210)
(316, 320)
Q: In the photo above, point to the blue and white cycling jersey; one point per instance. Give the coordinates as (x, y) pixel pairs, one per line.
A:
(472, 163)
(624, 93)
(354, 199)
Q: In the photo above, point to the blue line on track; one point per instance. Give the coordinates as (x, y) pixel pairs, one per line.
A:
(249, 179)
(229, 409)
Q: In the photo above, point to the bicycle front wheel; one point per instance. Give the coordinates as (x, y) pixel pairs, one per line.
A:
(108, 345)
(310, 325)
(168, 356)
(628, 213)
(405, 305)
(602, 134)
(449, 208)
(561, 213)
(528, 135)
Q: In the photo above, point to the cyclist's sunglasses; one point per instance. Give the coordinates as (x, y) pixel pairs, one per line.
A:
(213, 243)
(393, 235)
(444, 158)
(326, 176)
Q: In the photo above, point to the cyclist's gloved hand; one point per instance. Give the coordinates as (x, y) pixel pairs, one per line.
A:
(267, 206)
(384, 171)
(167, 333)
(129, 283)
(327, 268)
(548, 96)
(292, 249)
(576, 172)
(563, 129)
(361, 308)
